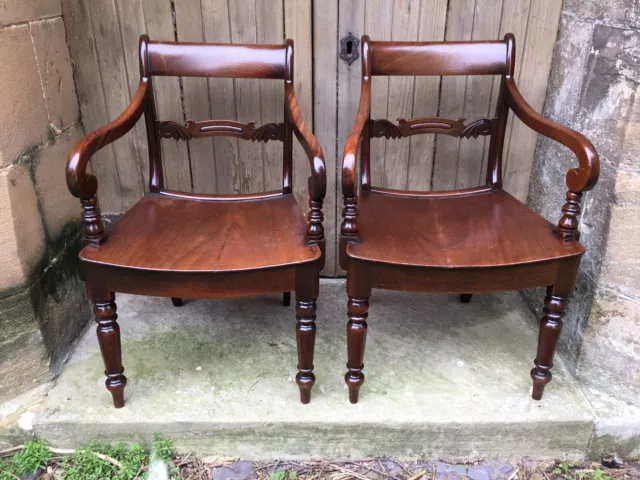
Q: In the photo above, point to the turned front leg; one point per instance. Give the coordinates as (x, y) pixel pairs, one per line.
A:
(550, 327)
(357, 308)
(109, 338)
(306, 340)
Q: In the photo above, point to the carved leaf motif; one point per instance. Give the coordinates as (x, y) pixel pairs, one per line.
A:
(268, 131)
(169, 129)
(484, 126)
(384, 128)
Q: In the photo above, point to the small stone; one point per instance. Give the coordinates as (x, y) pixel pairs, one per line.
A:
(502, 468)
(32, 476)
(391, 465)
(235, 471)
(198, 369)
(459, 469)
(442, 467)
(478, 474)
(25, 422)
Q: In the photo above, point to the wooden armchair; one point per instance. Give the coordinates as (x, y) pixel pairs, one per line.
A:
(466, 241)
(177, 244)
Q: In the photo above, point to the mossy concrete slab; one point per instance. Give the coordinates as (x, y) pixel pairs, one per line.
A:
(617, 423)
(217, 376)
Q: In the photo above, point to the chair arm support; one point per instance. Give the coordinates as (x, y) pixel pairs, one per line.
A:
(353, 141)
(318, 178)
(578, 179)
(81, 184)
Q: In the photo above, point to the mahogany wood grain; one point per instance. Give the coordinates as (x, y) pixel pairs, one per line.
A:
(464, 231)
(466, 241)
(206, 236)
(216, 60)
(438, 58)
(192, 245)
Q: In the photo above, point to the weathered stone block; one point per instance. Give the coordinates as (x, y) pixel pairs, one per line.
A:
(616, 12)
(60, 302)
(594, 90)
(39, 325)
(59, 207)
(628, 188)
(612, 346)
(15, 11)
(52, 54)
(23, 356)
(569, 63)
(621, 266)
(22, 242)
(23, 116)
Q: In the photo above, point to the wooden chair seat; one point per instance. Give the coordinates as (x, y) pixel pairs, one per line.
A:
(486, 229)
(206, 236)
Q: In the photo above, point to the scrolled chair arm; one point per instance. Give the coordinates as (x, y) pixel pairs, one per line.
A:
(318, 180)
(349, 228)
(85, 186)
(578, 179)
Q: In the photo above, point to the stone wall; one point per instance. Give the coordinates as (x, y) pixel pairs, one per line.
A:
(42, 304)
(592, 89)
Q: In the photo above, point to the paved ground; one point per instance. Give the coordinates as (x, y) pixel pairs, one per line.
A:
(443, 379)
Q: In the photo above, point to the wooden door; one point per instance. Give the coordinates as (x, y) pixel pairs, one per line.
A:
(427, 162)
(103, 40)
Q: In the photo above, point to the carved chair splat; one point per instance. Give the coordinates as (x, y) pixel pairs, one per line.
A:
(185, 245)
(467, 241)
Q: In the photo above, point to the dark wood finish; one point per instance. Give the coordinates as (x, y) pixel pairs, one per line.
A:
(486, 229)
(307, 283)
(216, 60)
(286, 299)
(206, 236)
(109, 339)
(455, 128)
(438, 58)
(188, 245)
(218, 128)
(469, 241)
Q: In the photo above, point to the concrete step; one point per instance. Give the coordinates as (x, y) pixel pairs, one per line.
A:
(443, 379)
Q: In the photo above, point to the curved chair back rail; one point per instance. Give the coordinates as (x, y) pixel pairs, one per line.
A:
(216, 60)
(438, 58)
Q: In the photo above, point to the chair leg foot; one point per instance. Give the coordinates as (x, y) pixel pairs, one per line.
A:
(539, 382)
(555, 306)
(306, 338)
(465, 297)
(356, 338)
(177, 302)
(286, 299)
(108, 332)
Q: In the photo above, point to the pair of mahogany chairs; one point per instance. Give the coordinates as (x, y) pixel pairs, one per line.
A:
(177, 244)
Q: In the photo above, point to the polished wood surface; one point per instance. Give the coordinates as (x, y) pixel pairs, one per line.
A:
(216, 60)
(438, 58)
(466, 241)
(162, 233)
(189, 245)
(475, 230)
